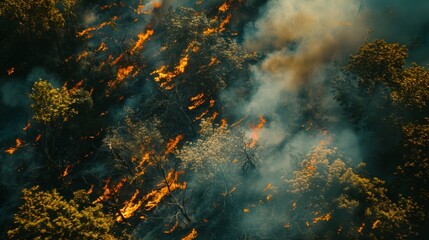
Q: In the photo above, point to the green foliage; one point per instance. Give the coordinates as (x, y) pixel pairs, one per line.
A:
(46, 215)
(38, 17)
(52, 104)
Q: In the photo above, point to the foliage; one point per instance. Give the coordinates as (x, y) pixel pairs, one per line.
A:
(328, 191)
(47, 215)
(39, 17)
(52, 104)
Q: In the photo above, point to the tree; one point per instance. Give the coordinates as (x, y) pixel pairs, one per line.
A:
(326, 191)
(34, 19)
(47, 215)
(55, 104)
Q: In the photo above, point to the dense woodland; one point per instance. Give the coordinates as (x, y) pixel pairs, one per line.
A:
(214, 119)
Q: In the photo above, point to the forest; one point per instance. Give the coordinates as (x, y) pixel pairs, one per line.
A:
(214, 119)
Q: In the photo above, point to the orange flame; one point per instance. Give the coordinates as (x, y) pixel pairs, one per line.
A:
(172, 144)
(66, 171)
(172, 229)
(102, 47)
(197, 101)
(109, 192)
(374, 225)
(10, 71)
(11, 150)
(38, 138)
(27, 126)
(129, 207)
(360, 229)
(256, 129)
(224, 22)
(325, 217)
(224, 7)
(164, 77)
(84, 54)
(142, 38)
(191, 236)
(171, 184)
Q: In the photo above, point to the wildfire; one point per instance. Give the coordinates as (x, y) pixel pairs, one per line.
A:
(224, 22)
(27, 126)
(155, 196)
(172, 144)
(374, 225)
(18, 144)
(360, 229)
(87, 33)
(108, 191)
(256, 130)
(129, 207)
(197, 101)
(142, 37)
(192, 235)
(102, 47)
(224, 7)
(10, 71)
(66, 171)
(164, 77)
(325, 217)
(123, 72)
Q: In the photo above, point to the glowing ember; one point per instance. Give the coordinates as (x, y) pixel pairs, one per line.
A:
(11, 150)
(246, 210)
(374, 225)
(192, 235)
(84, 54)
(172, 229)
(66, 171)
(224, 7)
(102, 47)
(142, 38)
(27, 126)
(360, 229)
(38, 137)
(10, 71)
(325, 217)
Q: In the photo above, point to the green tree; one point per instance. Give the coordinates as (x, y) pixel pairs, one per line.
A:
(47, 215)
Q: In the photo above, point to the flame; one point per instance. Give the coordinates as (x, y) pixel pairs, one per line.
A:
(224, 7)
(214, 116)
(374, 225)
(27, 126)
(86, 32)
(129, 207)
(360, 229)
(209, 31)
(90, 189)
(116, 60)
(224, 22)
(212, 61)
(11, 150)
(66, 171)
(246, 210)
(191, 236)
(154, 6)
(223, 123)
(197, 101)
(84, 54)
(109, 192)
(325, 217)
(170, 185)
(10, 71)
(102, 47)
(142, 38)
(18, 144)
(164, 77)
(255, 131)
(172, 229)
(201, 115)
(171, 145)
(76, 87)
(38, 138)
